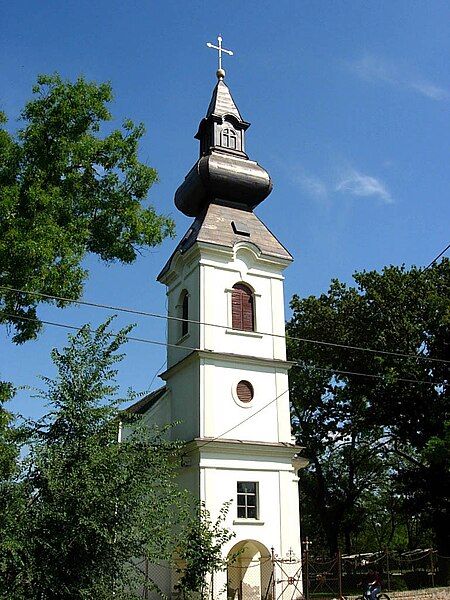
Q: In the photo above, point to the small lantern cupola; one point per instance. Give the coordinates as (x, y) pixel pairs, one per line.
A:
(223, 128)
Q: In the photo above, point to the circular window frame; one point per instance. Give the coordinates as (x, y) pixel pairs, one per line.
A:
(236, 397)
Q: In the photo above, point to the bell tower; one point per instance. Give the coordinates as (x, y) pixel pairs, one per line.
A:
(227, 373)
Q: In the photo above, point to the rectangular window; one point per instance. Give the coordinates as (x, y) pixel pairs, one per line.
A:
(247, 499)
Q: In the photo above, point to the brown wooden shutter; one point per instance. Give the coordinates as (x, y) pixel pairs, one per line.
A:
(247, 312)
(236, 309)
(242, 308)
(244, 391)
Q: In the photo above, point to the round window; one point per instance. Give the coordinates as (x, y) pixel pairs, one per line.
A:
(245, 391)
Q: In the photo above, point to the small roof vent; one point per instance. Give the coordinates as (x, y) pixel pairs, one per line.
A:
(240, 228)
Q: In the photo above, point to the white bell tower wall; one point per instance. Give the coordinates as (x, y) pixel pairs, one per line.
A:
(207, 358)
(227, 374)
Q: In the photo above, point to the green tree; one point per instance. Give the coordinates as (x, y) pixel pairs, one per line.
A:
(9, 449)
(94, 503)
(394, 310)
(200, 552)
(346, 462)
(12, 496)
(66, 191)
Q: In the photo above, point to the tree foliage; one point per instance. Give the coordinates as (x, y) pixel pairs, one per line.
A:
(66, 191)
(363, 431)
(86, 504)
(11, 490)
(200, 552)
(9, 449)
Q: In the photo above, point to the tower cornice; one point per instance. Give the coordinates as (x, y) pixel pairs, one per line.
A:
(249, 447)
(230, 357)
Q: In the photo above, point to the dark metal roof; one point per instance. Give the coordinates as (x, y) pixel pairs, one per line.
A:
(222, 102)
(233, 179)
(215, 226)
(224, 169)
(142, 406)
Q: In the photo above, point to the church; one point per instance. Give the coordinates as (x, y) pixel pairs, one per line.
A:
(226, 382)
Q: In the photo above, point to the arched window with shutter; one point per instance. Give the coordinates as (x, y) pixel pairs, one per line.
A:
(184, 313)
(242, 308)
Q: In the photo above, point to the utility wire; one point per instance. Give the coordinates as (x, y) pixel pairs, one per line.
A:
(243, 420)
(210, 441)
(371, 375)
(76, 328)
(437, 257)
(195, 322)
(212, 352)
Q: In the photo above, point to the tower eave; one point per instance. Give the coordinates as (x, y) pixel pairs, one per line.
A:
(219, 118)
(228, 357)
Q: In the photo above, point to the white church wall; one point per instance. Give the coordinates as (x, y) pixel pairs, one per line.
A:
(185, 408)
(221, 409)
(289, 514)
(274, 527)
(218, 277)
(189, 477)
(284, 413)
(209, 282)
(160, 413)
(219, 486)
(278, 319)
(187, 279)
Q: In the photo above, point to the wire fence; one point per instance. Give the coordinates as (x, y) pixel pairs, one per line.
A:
(345, 575)
(312, 577)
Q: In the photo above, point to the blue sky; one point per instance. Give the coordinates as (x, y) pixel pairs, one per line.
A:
(349, 105)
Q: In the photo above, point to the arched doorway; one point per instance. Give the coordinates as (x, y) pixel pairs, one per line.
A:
(249, 572)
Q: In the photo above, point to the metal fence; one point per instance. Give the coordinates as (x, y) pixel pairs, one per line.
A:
(269, 578)
(345, 575)
(311, 578)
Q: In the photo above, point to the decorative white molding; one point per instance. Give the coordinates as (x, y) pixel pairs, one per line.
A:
(247, 522)
(273, 363)
(250, 448)
(251, 334)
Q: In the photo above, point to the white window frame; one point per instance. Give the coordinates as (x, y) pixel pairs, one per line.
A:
(246, 506)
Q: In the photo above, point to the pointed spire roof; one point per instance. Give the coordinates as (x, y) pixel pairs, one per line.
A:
(222, 102)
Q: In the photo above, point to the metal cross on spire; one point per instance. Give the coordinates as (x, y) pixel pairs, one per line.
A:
(220, 71)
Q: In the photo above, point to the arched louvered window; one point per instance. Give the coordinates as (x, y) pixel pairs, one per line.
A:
(184, 313)
(242, 308)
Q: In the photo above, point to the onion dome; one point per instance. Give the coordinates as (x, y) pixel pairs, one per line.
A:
(223, 174)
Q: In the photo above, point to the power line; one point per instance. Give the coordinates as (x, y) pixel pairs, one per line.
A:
(210, 441)
(356, 373)
(76, 328)
(437, 257)
(166, 344)
(244, 420)
(195, 322)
